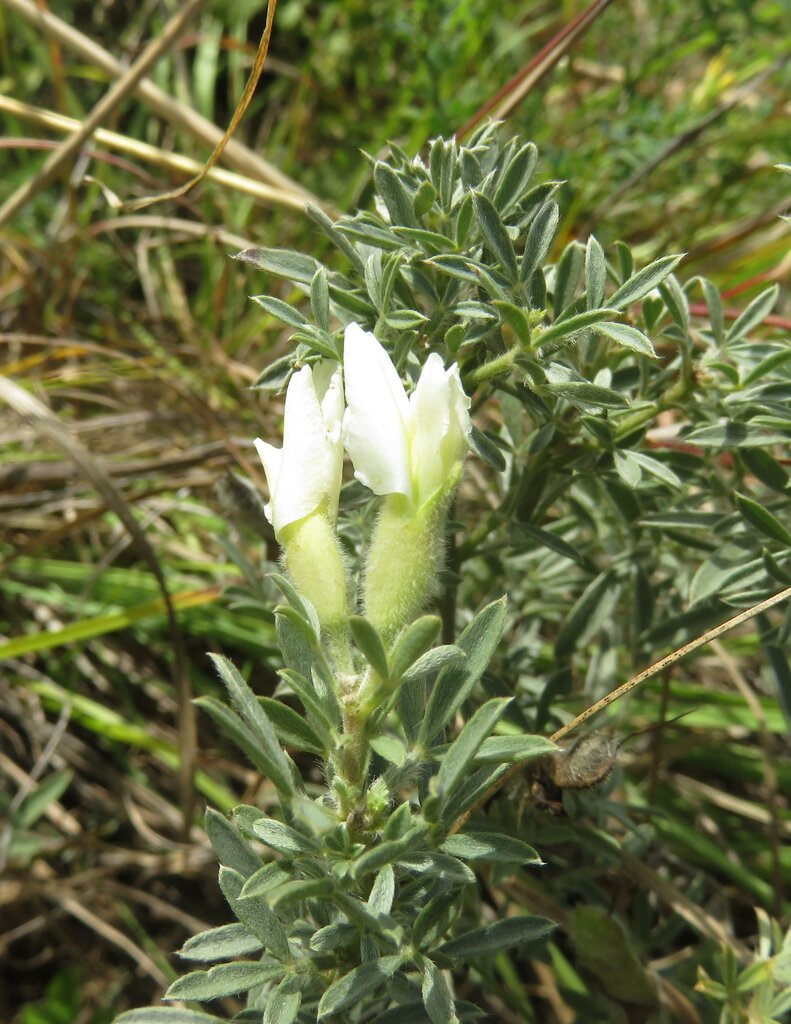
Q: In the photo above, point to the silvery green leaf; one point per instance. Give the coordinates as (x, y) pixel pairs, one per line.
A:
(235, 729)
(628, 337)
(399, 822)
(299, 889)
(566, 327)
(495, 235)
(405, 319)
(676, 301)
(539, 239)
(434, 660)
(270, 753)
(513, 931)
(588, 613)
(321, 704)
(255, 914)
(294, 266)
(628, 468)
(580, 392)
(370, 644)
(456, 682)
(168, 1015)
(223, 980)
(486, 449)
(734, 434)
(752, 315)
(464, 747)
(267, 878)
(333, 936)
(352, 987)
(291, 728)
(281, 310)
(395, 194)
(762, 519)
(490, 846)
(232, 850)
(284, 1002)
(223, 943)
(644, 281)
(318, 216)
(320, 299)
(439, 865)
(391, 748)
(435, 918)
(516, 318)
(567, 276)
(714, 303)
(595, 273)
(517, 174)
(380, 898)
(299, 604)
(283, 838)
(656, 468)
(507, 749)
(387, 851)
(416, 639)
(436, 995)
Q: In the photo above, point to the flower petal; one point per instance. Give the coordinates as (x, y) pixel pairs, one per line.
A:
(271, 459)
(306, 474)
(374, 426)
(429, 420)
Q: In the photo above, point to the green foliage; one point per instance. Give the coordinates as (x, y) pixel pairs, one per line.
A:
(581, 356)
(612, 545)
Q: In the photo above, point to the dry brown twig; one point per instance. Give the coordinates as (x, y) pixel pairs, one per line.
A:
(60, 159)
(236, 154)
(627, 687)
(37, 415)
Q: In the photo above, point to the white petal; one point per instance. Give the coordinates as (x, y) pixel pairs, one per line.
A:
(374, 426)
(328, 381)
(307, 472)
(457, 440)
(271, 458)
(428, 426)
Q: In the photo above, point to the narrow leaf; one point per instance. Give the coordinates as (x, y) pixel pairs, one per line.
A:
(644, 281)
(255, 914)
(231, 848)
(436, 995)
(490, 846)
(465, 746)
(628, 337)
(495, 235)
(223, 943)
(753, 314)
(513, 931)
(762, 519)
(270, 751)
(350, 989)
(479, 641)
(294, 266)
(539, 239)
(595, 274)
(570, 325)
(370, 644)
(414, 641)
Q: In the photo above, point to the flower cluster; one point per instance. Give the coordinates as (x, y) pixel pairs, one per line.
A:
(407, 448)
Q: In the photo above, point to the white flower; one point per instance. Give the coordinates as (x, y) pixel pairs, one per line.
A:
(304, 476)
(398, 445)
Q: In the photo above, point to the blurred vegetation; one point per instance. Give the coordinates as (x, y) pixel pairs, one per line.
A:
(666, 121)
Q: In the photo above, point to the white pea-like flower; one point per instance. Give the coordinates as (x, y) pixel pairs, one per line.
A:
(412, 445)
(304, 476)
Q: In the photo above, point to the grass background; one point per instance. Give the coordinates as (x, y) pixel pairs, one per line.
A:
(666, 120)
